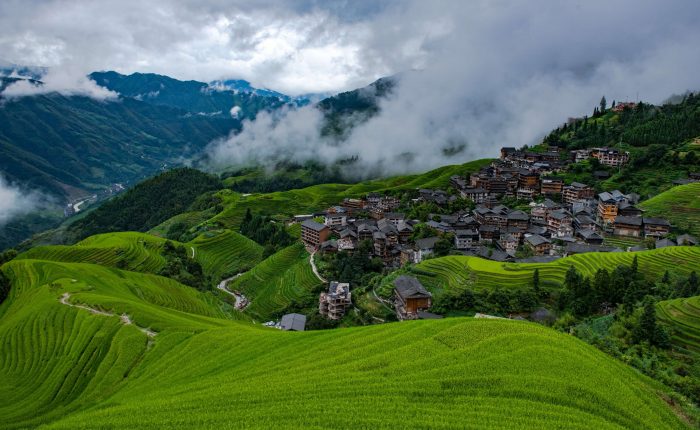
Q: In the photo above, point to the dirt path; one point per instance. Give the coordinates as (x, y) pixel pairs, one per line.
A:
(384, 302)
(241, 301)
(124, 318)
(315, 269)
(192, 248)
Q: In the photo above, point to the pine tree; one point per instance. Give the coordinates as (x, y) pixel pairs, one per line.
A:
(646, 328)
(635, 265)
(603, 105)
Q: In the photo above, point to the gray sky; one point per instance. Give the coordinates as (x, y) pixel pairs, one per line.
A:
(316, 46)
(485, 73)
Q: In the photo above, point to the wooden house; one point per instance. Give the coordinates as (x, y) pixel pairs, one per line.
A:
(410, 297)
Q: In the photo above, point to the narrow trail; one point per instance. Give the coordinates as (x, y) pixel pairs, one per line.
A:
(241, 301)
(384, 302)
(315, 269)
(192, 248)
(124, 318)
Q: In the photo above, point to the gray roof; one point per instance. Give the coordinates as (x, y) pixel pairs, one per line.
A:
(578, 185)
(295, 322)
(536, 240)
(518, 215)
(664, 243)
(427, 243)
(313, 225)
(686, 239)
(587, 233)
(630, 220)
(410, 287)
(657, 221)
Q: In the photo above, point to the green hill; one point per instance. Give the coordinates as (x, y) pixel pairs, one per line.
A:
(67, 367)
(458, 272)
(320, 197)
(280, 279)
(680, 205)
(684, 316)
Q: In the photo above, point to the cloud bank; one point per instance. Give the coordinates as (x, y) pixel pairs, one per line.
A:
(484, 73)
(15, 202)
(60, 80)
(490, 74)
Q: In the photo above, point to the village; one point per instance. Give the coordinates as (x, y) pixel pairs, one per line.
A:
(560, 220)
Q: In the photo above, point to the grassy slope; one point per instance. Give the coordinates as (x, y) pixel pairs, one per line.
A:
(457, 272)
(680, 205)
(273, 284)
(68, 368)
(225, 252)
(684, 316)
(137, 251)
(319, 197)
(219, 252)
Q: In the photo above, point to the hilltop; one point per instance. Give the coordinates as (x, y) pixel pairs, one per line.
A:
(179, 358)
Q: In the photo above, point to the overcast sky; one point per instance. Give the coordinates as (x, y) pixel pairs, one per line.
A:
(477, 74)
(318, 46)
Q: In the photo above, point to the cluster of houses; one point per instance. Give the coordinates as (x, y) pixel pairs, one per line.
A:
(577, 222)
(411, 301)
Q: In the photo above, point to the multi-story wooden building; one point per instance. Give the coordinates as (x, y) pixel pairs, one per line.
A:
(577, 191)
(410, 297)
(551, 185)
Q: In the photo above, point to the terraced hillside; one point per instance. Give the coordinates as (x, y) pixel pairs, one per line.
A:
(68, 367)
(458, 272)
(273, 284)
(319, 197)
(133, 251)
(225, 252)
(683, 315)
(680, 205)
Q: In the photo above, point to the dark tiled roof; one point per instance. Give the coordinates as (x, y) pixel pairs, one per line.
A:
(410, 287)
(313, 225)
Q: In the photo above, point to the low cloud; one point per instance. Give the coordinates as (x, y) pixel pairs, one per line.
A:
(484, 76)
(235, 111)
(15, 201)
(62, 80)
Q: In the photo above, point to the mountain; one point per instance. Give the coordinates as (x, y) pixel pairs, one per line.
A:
(346, 110)
(195, 97)
(69, 146)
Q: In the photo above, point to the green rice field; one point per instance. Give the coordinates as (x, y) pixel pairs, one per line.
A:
(459, 272)
(65, 367)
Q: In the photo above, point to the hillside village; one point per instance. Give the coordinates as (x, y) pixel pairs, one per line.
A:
(553, 219)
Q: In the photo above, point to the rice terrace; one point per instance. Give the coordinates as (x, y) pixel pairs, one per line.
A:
(349, 214)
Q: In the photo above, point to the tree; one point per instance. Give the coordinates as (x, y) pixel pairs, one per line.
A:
(647, 328)
(603, 105)
(443, 247)
(536, 282)
(635, 265)
(4, 286)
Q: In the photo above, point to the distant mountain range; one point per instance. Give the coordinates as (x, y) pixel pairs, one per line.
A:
(71, 146)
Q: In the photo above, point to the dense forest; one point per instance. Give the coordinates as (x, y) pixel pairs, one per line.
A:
(147, 204)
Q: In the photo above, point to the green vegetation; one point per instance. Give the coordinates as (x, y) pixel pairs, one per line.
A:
(458, 272)
(683, 315)
(203, 370)
(133, 251)
(147, 204)
(265, 231)
(280, 281)
(680, 205)
(224, 252)
(320, 197)
(658, 138)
